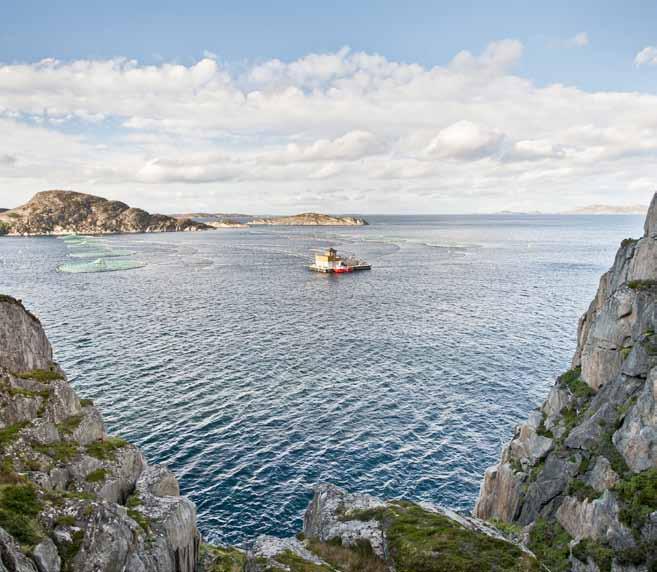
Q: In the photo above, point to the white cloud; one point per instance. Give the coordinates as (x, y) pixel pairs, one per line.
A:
(580, 40)
(647, 56)
(346, 126)
(465, 140)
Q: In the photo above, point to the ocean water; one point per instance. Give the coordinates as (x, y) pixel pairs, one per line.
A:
(254, 379)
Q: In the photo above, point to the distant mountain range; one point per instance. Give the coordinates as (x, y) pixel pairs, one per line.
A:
(609, 209)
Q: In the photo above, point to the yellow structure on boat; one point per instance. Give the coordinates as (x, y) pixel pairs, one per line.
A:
(330, 262)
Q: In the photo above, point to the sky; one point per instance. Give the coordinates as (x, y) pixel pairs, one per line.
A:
(335, 106)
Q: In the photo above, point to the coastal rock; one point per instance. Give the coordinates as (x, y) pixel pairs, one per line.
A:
(593, 486)
(23, 343)
(68, 212)
(637, 437)
(95, 503)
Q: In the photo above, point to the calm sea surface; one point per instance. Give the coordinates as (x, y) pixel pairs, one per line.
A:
(253, 378)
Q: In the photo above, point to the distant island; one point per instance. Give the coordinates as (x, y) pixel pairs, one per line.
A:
(70, 212)
(310, 219)
(608, 209)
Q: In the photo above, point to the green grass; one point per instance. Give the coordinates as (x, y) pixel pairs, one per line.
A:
(61, 451)
(133, 501)
(97, 476)
(65, 520)
(638, 494)
(297, 564)
(10, 433)
(642, 284)
(69, 550)
(106, 449)
(141, 519)
(364, 514)
(607, 449)
(224, 559)
(602, 555)
(42, 375)
(549, 541)
(69, 425)
(628, 241)
(359, 557)
(508, 528)
(19, 506)
(579, 489)
(86, 402)
(573, 381)
(422, 541)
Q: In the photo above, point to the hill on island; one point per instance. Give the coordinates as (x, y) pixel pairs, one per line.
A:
(69, 212)
(310, 219)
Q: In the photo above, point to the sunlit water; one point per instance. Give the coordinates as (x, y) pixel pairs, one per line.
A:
(253, 378)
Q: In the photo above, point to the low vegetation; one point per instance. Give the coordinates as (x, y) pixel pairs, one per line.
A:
(295, 563)
(550, 542)
(222, 559)
(19, 506)
(424, 541)
(10, 433)
(601, 554)
(105, 450)
(42, 375)
(642, 284)
(60, 452)
(638, 494)
(69, 550)
(97, 476)
(355, 558)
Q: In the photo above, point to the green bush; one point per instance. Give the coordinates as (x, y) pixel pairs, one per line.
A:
(550, 542)
(602, 555)
(106, 449)
(10, 433)
(642, 284)
(638, 494)
(61, 451)
(97, 476)
(579, 489)
(42, 375)
(19, 505)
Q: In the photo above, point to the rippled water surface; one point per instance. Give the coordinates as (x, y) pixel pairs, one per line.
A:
(254, 378)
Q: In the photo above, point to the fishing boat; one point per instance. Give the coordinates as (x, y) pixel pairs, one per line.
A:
(329, 262)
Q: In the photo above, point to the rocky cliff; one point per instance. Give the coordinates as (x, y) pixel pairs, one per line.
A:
(68, 212)
(581, 474)
(310, 219)
(73, 498)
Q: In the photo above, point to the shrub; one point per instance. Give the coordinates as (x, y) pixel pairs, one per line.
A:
(106, 449)
(97, 476)
(69, 550)
(550, 542)
(19, 505)
(642, 284)
(600, 554)
(579, 489)
(42, 375)
(10, 433)
(70, 424)
(86, 402)
(638, 494)
(61, 451)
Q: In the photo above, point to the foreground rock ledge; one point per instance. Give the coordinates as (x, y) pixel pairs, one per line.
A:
(581, 474)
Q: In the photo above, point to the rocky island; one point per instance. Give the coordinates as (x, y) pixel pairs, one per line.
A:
(310, 219)
(575, 489)
(69, 212)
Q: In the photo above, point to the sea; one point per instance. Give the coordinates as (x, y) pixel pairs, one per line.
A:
(221, 355)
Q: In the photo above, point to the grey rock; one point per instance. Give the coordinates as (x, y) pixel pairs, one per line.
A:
(550, 483)
(636, 439)
(597, 519)
(11, 556)
(23, 343)
(46, 557)
(602, 477)
(323, 518)
(500, 493)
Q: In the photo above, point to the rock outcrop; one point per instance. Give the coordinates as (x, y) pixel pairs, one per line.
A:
(72, 498)
(68, 212)
(310, 219)
(581, 474)
(351, 532)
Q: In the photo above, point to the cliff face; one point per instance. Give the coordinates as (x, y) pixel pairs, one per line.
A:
(310, 219)
(68, 212)
(73, 498)
(581, 473)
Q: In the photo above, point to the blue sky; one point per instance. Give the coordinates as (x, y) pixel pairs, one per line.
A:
(425, 32)
(294, 103)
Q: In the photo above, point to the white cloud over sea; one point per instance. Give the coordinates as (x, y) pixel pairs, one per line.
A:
(344, 131)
